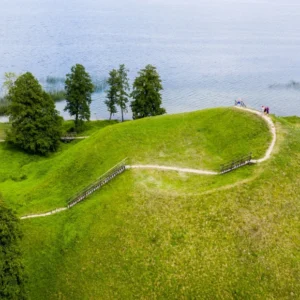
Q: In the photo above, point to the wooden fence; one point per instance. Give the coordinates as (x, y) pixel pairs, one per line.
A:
(237, 163)
(68, 137)
(105, 178)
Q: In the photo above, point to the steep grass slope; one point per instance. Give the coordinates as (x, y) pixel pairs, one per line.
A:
(161, 235)
(202, 139)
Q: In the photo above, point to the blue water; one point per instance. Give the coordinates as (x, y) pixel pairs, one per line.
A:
(208, 53)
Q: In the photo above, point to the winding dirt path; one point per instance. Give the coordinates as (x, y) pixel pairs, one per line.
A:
(166, 168)
(52, 212)
(186, 170)
(272, 130)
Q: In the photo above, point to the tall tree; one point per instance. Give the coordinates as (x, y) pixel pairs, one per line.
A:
(112, 92)
(79, 88)
(146, 94)
(123, 89)
(35, 124)
(12, 278)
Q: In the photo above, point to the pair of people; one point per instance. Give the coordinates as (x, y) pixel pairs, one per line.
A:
(265, 109)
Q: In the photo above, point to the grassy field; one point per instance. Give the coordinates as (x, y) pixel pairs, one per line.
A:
(164, 235)
(202, 139)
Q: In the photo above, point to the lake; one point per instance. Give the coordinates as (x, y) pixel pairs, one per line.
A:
(208, 53)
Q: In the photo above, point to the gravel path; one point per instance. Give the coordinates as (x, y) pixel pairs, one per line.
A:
(52, 212)
(272, 130)
(186, 170)
(166, 168)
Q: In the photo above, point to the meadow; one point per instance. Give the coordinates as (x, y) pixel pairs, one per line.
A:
(155, 234)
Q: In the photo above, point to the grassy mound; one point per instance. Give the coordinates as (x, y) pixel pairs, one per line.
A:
(151, 234)
(202, 139)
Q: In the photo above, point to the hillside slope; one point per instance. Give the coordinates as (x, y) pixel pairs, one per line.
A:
(201, 139)
(151, 234)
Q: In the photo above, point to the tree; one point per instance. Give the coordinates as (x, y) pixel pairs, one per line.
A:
(123, 87)
(146, 94)
(112, 93)
(12, 278)
(9, 81)
(79, 88)
(35, 124)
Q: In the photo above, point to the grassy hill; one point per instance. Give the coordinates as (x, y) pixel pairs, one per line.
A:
(202, 139)
(167, 235)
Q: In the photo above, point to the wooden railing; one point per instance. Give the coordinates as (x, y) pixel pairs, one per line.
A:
(68, 137)
(103, 179)
(237, 163)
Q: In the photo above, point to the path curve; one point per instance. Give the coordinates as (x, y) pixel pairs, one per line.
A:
(208, 172)
(186, 170)
(272, 130)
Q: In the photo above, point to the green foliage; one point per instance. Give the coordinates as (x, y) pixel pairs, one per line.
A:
(123, 88)
(12, 278)
(3, 129)
(35, 124)
(146, 94)
(57, 95)
(117, 94)
(9, 81)
(79, 87)
(4, 104)
(112, 92)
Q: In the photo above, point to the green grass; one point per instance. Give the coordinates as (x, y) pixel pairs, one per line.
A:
(202, 139)
(88, 128)
(163, 235)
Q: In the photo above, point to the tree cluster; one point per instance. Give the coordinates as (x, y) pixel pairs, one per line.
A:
(36, 126)
(117, 94)
(146, 93)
